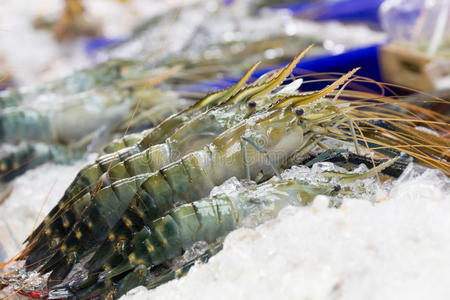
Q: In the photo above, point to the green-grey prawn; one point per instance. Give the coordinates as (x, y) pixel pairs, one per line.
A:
(189, 137)
(103, 74)
(87, 178)
(167, 237)
(182, 142)
(285, 131)
(77, 122)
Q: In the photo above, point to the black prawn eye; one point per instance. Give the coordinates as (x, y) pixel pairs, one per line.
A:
(251, 104)
(337, 188)
(299, 112)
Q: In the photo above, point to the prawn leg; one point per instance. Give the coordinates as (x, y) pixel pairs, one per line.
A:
(326, 155)
(260, 150)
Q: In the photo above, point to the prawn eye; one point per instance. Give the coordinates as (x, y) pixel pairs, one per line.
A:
(251, 104)
(299, 112)
(337, 188)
